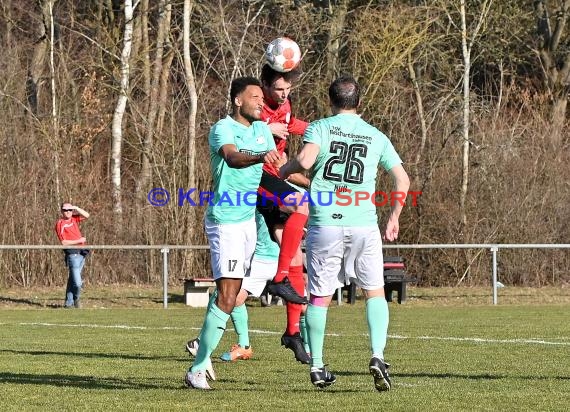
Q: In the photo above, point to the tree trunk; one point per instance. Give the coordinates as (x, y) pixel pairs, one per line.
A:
(117, 123)
(558, 120)
(467, 41)
(147, 146)
(421, 116)
(54, 115)
(419, 171)
(555, 62)
(163, 94)
(36, 70)
(44, 48)
(156, 105)
(465, 126)
(7, 13)
(109, 13)
(334, 42)
(193, 109)
(145, 48)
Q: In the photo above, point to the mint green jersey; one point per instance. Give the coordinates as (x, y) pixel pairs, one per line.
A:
(234, 191)
(346, 168)
(265, 248)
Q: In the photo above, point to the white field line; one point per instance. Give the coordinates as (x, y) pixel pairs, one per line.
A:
(484, 340)
(530, 341)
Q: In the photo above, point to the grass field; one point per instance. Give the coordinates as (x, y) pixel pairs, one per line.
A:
(461, 355)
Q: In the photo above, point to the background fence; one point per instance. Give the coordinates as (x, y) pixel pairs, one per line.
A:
(165, 250)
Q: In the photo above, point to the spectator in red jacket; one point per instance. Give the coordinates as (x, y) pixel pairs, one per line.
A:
(67, 230)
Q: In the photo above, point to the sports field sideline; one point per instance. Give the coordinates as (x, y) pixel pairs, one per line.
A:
(450, 349)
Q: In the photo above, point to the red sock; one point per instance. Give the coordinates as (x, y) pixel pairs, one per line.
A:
(293, 309)
(290, 242)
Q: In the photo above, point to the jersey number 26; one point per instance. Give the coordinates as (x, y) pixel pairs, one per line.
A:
(347, 155)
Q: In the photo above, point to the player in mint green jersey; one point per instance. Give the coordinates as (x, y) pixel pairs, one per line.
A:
(344, 242)
(261, 271)
(239, 145)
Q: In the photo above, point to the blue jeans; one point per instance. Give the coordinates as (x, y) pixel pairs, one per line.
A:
(75, 264)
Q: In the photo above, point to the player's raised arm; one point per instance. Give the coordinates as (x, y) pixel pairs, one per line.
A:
(239, 160)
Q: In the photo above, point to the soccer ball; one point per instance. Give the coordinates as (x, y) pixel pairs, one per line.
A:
(283, 54)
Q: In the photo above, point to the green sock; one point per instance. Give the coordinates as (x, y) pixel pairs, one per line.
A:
(210, 303)
(304, 333)
(212, 299)
(240, 318)
(316, 318)
(212, 331)
(377, 315)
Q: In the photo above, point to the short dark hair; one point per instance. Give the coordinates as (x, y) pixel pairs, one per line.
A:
(344, 92)
(239, 84)
(269, 75)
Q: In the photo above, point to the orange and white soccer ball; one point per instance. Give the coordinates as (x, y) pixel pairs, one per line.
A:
(283, 54)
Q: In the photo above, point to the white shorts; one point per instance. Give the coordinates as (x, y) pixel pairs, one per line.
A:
(338, 255)
(260, 272)
(231, 247)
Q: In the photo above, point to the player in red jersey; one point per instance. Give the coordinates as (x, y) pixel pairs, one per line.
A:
(282, 207)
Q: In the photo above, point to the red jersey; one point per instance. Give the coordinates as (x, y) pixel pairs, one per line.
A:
(68, 229)
(282, 114)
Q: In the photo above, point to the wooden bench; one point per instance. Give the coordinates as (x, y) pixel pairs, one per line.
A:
(395, 280)
(197, 291)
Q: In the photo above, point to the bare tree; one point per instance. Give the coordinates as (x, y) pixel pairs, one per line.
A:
(191, 85)
(36, 70)
(54, 116)
(193, 110)
(165, 10)
(467, 41)
(382, 49)
(117, 123)
(109, 15)
(164, 81)
(421, 113)
(555, 60)
(408, 57)
(6, 6)
(44, 49)
(238, 51)
(334, 42)
(145, 46)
